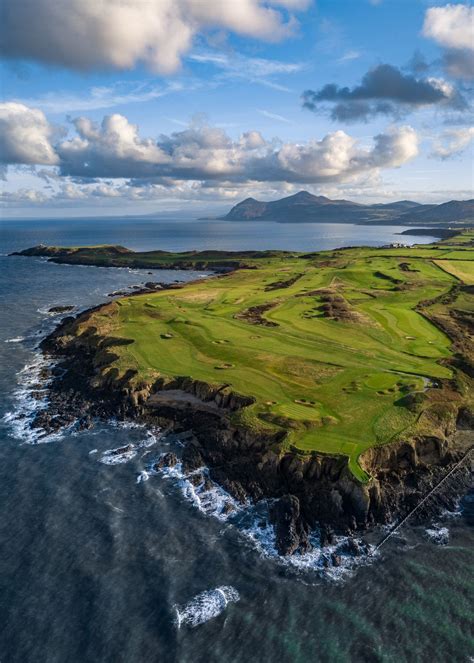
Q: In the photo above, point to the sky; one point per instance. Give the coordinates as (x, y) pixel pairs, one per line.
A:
(141, 106)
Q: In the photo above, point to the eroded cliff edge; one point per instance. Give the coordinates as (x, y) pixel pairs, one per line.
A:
(311, 489)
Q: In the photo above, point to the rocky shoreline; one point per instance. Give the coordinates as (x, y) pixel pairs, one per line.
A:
(309, 490)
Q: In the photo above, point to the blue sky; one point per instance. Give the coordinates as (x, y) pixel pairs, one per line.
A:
(388, 114)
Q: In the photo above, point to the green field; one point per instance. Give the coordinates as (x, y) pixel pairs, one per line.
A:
(330, 357)
(462, 269)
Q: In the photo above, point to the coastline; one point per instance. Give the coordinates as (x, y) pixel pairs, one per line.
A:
(310, 490)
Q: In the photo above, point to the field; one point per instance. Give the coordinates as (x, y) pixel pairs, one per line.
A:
(329, 344)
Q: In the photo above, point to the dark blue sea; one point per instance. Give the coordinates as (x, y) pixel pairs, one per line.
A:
(104, 561)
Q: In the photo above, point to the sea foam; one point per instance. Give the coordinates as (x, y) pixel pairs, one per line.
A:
(207, 496)
(438, 535)
(127, 452)
(30, 397)
(205, 606)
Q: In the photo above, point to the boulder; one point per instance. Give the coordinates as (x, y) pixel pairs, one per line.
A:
(290, 532)
(192, 459)
(168, 459)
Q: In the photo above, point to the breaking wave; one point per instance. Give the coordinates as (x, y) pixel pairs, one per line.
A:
(205, 606)
(438, 535)
(31, 396)
(125, 453)
(334, 562)
(204, 494)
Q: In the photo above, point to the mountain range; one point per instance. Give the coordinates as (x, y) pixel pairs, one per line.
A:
(304, 207)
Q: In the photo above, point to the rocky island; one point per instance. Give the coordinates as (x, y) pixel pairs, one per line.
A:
(337, 382)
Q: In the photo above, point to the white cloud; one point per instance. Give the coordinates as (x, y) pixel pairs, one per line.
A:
(349, 56)
(29, 196)
(451, 26)
(206, 153)
(202, 153)
(246, 66)
(25, 136)
(452, 142)
(274, 116)
(119, 34)
(104, 97)
(108, 149)
(253, 70)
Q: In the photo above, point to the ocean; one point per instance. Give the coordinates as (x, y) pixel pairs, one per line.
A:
(108, 562)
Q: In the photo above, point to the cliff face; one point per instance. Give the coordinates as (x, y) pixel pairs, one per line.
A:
(311, 489)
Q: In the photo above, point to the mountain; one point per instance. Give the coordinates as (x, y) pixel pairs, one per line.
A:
(400, 205)
(455, 211)
(300, 207)
(304, 207)
(247, 209)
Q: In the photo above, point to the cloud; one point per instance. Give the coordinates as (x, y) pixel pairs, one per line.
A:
(384, 90)
(452, 142)
(349, 56)
(30, 196)
(25, 136)
(119, 34)
(252, 70)
(459, 64)
(274, 116)
(205, 154)
(452, 27)
(105, 96)
(418, 64)
(109, 150)
(244, 65)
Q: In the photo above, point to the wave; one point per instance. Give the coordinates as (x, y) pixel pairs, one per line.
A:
(127, 452)
(252, 521)
(17, 339)
(204, 494)
(31, 396)
(143, 476)
(438, 535)
(205, 606)
(333, 562)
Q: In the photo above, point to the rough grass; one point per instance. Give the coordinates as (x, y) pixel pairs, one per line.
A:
(333, 385)
(462, 269)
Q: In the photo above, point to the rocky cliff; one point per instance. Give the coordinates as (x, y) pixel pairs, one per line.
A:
(310, 489)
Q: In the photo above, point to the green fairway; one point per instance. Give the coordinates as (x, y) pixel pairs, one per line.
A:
(329, 344)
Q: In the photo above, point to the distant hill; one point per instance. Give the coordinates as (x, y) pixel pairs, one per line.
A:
(455, 211)
(401, 205)
(304, 207)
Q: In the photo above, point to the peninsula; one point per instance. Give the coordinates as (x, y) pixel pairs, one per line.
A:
(335, 381)
(304, 207)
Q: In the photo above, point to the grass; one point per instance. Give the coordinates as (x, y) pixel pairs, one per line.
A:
(462, 269)
(334, 385)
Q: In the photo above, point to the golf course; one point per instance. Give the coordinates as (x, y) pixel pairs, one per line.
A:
(336, 348)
